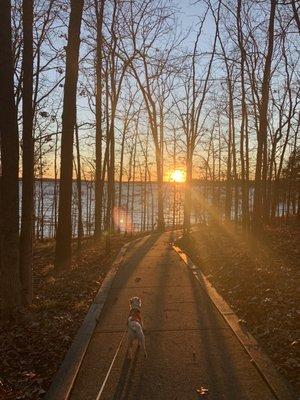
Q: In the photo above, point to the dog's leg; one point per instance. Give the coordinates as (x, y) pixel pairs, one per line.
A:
(141, 339)
(144, 345)
(130, 339)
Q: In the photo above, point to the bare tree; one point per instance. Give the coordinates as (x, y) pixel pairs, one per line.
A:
(147, 24)
(79, 190)
(244, 141)
(190, 109)
(64, 227)
(99, 7)
(28, 156)
(9, 213)
(263, 122)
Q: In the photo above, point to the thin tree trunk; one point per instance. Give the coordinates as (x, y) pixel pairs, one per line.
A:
(111, 135)
(79, 196)
(41, 192)
(160, 201)
(28, 156)
(128, 191)
(133, 183)
(99, 6)
(188, 193)
(228, 198)
(121, 170)
(64, 228)
(234, 161)
(263, 124)
(55, 200)
(174, 185)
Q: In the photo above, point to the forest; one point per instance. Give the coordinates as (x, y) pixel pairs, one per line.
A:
(124, 117)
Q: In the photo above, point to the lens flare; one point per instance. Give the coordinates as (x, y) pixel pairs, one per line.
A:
(122, 219)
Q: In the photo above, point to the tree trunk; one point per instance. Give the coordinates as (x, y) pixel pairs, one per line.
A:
(9, 240)
(160, 199)
(28, 156)
(244, 124)
(263, 124)
(79, 195)
(174, 185)
(188, 194)
(228, 198)
(99, 6)
(133, 184)
(55, 190)
(64, 228)
(118, 213)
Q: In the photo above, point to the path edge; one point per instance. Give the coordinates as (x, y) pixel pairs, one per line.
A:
(64, 379)
(278, 385)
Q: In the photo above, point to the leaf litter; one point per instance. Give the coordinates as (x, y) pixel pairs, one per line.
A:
(34, 344)
(260, 281)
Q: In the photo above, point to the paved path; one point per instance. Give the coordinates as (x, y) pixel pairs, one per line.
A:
(189, 344)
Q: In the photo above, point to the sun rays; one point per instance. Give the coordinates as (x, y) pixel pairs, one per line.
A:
(178, 176)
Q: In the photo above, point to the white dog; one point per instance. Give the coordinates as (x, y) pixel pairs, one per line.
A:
(135, 325)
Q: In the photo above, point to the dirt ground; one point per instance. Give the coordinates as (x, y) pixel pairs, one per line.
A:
(260, 280)
(33, 346)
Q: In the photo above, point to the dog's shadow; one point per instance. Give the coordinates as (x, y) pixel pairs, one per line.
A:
(125, 379)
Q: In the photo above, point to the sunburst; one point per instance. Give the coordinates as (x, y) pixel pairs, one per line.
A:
(178, 176)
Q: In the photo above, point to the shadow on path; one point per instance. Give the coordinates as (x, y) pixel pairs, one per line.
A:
(127, 269)
(125, 381)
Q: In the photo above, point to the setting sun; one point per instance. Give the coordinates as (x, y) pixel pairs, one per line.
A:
(178, 175)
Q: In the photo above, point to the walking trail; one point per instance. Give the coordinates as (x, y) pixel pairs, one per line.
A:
(188, 342)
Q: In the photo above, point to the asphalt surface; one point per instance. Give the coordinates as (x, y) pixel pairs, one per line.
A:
(188, 342)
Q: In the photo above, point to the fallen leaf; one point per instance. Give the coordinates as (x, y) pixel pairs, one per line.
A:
(202, 391)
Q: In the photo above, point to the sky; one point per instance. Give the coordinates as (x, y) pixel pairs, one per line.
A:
(188, 18)
(189, 14)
